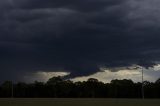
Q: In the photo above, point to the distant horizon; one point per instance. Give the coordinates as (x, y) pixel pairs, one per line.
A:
(57, 87)
(104, 76)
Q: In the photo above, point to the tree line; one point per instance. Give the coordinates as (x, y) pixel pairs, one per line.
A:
(57, 87)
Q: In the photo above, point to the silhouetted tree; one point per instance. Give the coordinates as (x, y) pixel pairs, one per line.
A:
(6, 89)
(57, 87)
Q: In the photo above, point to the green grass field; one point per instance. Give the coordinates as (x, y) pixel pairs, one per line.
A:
(79, 102)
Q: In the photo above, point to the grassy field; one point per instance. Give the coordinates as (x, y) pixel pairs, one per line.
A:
(79, 102)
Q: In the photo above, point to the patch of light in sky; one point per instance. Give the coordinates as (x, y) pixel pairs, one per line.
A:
(151, 74)
(43, 76)
(135, 74)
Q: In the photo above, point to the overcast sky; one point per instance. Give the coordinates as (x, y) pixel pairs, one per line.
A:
(77, 36)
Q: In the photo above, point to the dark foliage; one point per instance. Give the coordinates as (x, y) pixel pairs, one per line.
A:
(56, 87)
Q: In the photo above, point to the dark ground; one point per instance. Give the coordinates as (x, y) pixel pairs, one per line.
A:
(79, 102)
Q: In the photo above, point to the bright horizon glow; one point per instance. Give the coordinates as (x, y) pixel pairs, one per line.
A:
(133, 73)
(43, 76)
(151, 74)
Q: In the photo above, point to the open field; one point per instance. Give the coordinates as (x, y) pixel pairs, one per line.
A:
(79, 102)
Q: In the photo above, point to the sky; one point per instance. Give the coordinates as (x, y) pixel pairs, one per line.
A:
(79, 38)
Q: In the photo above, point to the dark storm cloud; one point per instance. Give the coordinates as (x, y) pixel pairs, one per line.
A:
(78, 36)
(80, 5)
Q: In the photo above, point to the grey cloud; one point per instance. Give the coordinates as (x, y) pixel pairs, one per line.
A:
(78, 36)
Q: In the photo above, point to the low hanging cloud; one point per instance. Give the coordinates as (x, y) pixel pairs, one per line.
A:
(42, 76)
(77, 36)
(135, 75)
